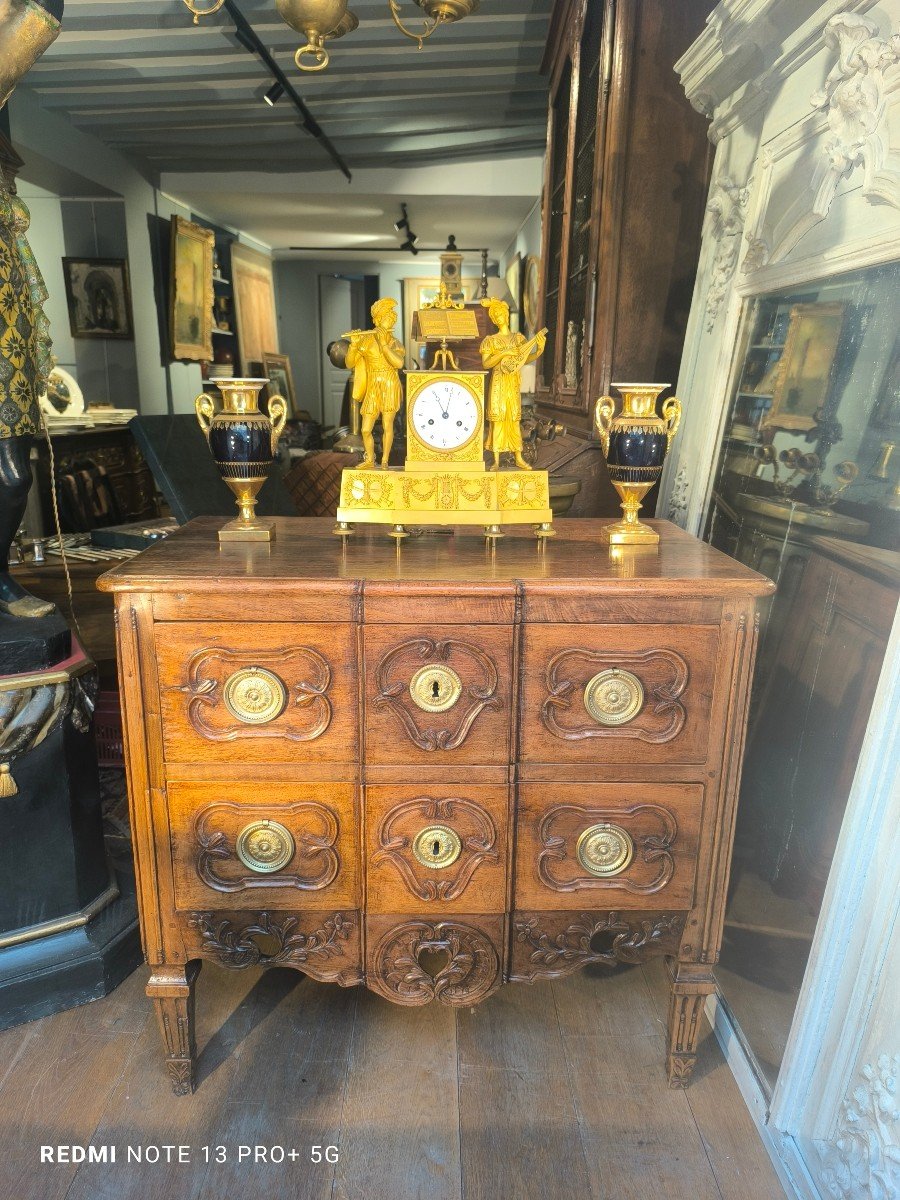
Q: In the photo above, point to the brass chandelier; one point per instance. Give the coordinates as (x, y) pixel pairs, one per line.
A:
(324, 20)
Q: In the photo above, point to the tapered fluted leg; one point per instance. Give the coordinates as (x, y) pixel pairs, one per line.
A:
(172, 990)
(688, 996)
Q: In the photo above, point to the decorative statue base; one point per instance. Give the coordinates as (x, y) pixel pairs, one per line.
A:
(446, 497)
(53, 862)
(68, 926)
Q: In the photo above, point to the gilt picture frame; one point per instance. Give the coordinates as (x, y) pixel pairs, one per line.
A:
(802, 383)
(253, 286)
(514, 287)
(277, 369)
(191, 299)
(531, 289)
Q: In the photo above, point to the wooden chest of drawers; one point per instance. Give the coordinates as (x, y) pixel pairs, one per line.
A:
(432, 769)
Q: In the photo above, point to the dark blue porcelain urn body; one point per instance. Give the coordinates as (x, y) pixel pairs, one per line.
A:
(243, 442)
(635, 444)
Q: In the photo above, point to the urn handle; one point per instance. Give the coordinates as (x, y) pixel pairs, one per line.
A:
(604, 411)
(671, 411)
(278, 416)
(205, 408)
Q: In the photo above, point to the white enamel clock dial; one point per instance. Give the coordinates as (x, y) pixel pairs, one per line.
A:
(445, 415)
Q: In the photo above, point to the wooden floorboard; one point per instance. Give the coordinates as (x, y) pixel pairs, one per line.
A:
(737, 1157)
(541, 1093)
(519, 1136)
(55, 1092)
(516, 1029)
(640, 1133)
(400, 1130)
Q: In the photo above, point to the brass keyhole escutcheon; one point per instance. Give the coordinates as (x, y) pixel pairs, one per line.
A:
(605, 849)
(437, 846)
(435, 688)
(614, 697)
(254, 695)
(265, 846)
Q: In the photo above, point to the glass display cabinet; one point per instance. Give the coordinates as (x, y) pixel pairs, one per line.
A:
(622, 201)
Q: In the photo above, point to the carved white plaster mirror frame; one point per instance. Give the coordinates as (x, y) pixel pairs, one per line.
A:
(806, 185)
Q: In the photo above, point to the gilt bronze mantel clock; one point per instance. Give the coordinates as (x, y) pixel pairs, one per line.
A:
(444, 480)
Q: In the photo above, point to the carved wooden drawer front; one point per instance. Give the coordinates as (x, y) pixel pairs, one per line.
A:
(436, 849)
(247, 845)
(438, 698)
(618, 693)
(257, 692)
(628, 845)
(413, 960)
(324, 943)
(547, 945)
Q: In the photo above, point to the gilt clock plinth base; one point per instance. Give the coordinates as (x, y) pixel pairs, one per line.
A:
(444, 497)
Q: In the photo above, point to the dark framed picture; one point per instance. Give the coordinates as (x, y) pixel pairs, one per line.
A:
(277, 369)
(99, 297)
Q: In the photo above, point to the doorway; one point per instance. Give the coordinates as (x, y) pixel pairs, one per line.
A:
(342, 306)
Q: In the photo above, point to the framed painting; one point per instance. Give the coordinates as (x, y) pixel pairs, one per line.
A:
(191, 307)
(514, 286)
(802, 381)
(423, 290)
(99, 297)
(254, 303)
(277, 369)
(531, 288)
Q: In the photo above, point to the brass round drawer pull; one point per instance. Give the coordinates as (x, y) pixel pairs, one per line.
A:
(614, 697)
(265, 846)
(437, 846)
(435, 688)
(254, 695)
(605, 850)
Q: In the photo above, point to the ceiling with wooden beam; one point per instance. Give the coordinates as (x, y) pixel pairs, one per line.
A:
(179, 97)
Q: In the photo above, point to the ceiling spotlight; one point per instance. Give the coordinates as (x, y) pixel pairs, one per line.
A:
(274, 94)
(403, 223)
(410, 244)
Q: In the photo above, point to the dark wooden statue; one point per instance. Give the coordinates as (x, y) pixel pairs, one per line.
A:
(27, 28)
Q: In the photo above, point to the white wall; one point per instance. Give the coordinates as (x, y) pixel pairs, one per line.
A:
(527, 240)
(297, 302)
(48, 242)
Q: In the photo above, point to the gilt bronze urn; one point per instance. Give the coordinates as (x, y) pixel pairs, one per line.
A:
(635, 444)
(243, 442)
